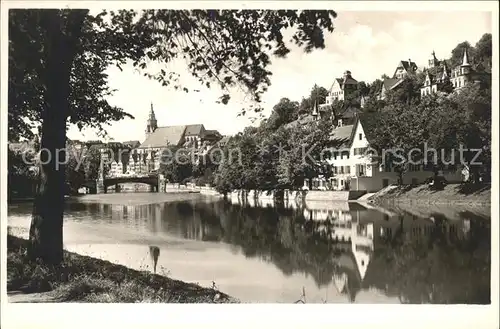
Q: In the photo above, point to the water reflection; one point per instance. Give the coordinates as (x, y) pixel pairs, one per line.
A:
(355, 249)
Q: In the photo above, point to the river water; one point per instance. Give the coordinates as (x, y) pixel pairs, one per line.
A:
(324, 252)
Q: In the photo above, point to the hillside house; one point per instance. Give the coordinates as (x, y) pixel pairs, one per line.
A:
(356, 168)
(404, 69)
(342, 88)
(438, 75)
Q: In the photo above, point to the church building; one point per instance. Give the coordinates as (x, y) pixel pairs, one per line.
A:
(195, 137)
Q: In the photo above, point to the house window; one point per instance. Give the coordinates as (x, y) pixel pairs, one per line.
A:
(360, 136)
(360, 150)
(360, 170)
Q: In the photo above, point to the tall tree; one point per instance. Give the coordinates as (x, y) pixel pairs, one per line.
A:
(54, 53)
(284, 112)
(457, 54)
(318, 95)
(484, 51)
(176, 164)
(304, 153)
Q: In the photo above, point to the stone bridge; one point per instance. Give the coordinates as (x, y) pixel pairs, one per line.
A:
(151, 180)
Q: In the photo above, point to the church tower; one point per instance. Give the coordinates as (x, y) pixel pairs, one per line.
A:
(151, 123)
(465, 68)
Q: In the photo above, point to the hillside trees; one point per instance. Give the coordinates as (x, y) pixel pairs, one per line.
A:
(56, 73)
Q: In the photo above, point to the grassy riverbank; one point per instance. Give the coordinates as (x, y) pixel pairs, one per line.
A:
(86, 279)
(452, 194)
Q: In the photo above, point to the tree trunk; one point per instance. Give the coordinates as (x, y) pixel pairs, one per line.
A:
(46, 231)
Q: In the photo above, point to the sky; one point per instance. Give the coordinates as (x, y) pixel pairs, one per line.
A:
(368, 44)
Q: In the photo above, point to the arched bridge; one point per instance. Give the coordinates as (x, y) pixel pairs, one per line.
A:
(151, 180)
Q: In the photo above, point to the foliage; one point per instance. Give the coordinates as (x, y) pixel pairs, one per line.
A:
(176, 164)
(480, 55)
(238, 167)
(407, 93)
(304, 155)
(435, 266)
(317, 95)
(21, 172)
(444, 121)
(75, 170)
(284, 112)
(57, 60)
(92, 162)
(278, 154)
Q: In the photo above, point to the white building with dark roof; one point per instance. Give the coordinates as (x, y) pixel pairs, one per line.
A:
(438, 75)
(403, 69)
(341, 88)
(354, 168)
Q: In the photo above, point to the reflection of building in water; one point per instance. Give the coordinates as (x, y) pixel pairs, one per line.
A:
(356, 233)
(251, 202)
(265, 202)
(353, 245)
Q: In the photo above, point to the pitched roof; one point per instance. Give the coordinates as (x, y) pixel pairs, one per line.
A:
(349, 112)
(369, 121)
(163, 136)
(132, 144)
(300, 121)
(408, 66)
(224, 140)
(349, 81)
(341, 136)
(211, 132)
(197, 129)
(390, 83)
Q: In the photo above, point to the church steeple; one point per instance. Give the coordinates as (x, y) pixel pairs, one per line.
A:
(465, 68)
(152, 113)
(465, 60)
(151, 123)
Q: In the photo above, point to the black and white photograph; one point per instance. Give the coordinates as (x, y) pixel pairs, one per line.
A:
(318, 153)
